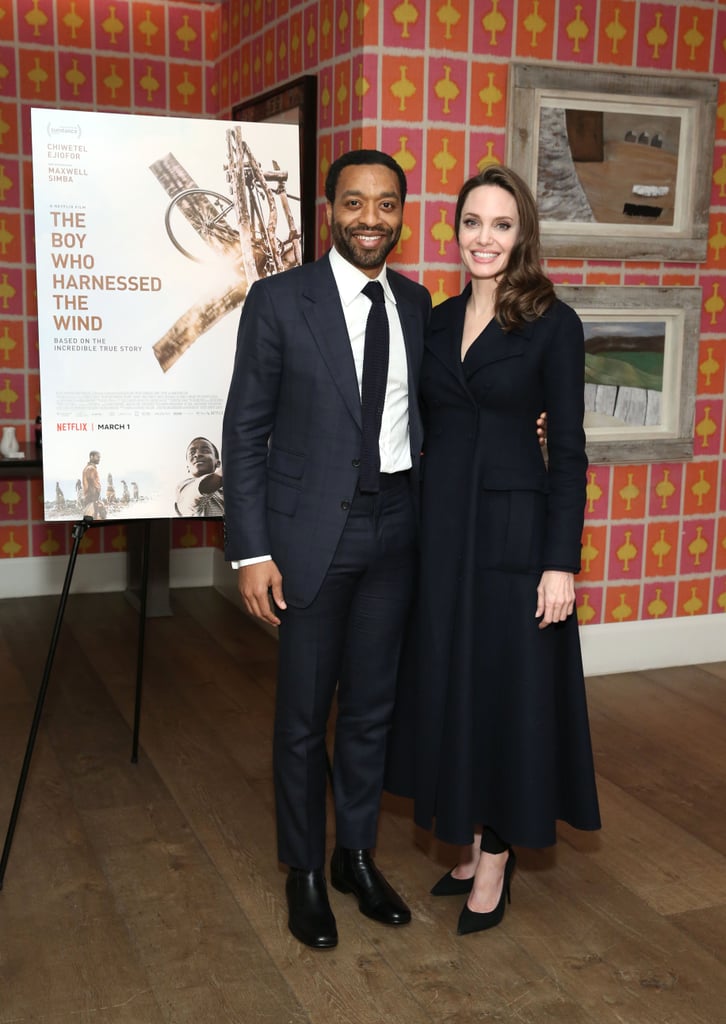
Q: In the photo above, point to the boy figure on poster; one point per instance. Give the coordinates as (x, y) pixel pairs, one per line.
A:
(201, 492)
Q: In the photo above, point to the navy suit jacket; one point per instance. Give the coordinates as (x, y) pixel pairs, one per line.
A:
(291, 440)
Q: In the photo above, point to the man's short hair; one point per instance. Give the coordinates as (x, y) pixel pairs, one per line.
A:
(357, 158)
(210, 443)
(91, 454)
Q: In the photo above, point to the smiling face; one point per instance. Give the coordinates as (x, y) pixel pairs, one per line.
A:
(201, 457)
(366, 216)
(488, 231)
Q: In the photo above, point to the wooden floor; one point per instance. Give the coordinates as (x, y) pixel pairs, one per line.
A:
(149, 892)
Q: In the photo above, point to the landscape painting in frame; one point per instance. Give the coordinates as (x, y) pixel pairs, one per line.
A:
(640, 370)
(619, 163)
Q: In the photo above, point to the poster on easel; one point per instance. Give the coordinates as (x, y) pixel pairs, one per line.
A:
(149, 232)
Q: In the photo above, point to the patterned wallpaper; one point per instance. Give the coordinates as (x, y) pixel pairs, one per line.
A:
(428, 83)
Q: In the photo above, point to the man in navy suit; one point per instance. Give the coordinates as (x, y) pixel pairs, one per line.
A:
(326, 557)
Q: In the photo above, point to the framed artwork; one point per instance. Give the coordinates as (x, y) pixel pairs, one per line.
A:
(620, 162)
(293, 103)
(641, 355)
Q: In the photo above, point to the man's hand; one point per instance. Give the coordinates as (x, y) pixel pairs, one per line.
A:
(555, 597)
(260, 585)
(542, 429)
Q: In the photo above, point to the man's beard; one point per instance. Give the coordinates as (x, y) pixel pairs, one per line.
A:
(357, 255)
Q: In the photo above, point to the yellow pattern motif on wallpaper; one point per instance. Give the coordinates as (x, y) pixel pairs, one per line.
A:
(694, 38)
(535, 24)
(404, 237)
(706, 428)
(698, 546)
(341, 94)
(629, 493)
(616, 32)
(627, 551)
(661, 549)
(325, 96)
(442, 232)
(50, 545)
(9, 498)
(717, 241)
(719, 178)
(112, 25)
(403, 89)
(311, 37)
(440, 295)
(149, 84)
(577, 30)
(494, 22)
(709, 366)
(6, 291)
(6, 237)
(405, 14)
(403, 155)
(295, 44)
(657, 606)
(585, 612)
(36, 18)
(622, 610)
(8, 397)
(72, 20)
(75, 77)
(113, 81)
(343, 25)
(186, 89)
(656, 36)
(449, 16)
(665, 489)
(694, 604)
(593, 490)
(589, 552)
(326, 27)
(361, 87)
(488, 159)
(700, 488)
(8, 344)
(446, 89)
(490, 94)
(38, 76)
(186, 34)
(715, 303)
(148, 28)
(11, 548)
(4, 126)
(188, 539)
(721, 601)
(444, 161)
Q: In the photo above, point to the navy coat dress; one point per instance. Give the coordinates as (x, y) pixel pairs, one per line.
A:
(491, 724)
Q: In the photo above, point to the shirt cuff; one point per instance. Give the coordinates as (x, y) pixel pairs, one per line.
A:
(238, 563)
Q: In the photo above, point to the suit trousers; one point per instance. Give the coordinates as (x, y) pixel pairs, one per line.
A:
(349, 638)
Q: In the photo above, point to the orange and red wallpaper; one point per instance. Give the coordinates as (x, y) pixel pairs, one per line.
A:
(427, 82)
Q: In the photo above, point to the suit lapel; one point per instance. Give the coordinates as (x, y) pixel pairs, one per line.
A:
(323, 312)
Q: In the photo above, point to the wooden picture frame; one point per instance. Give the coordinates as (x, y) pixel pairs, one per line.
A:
(641, 357)
(620, 163)
(293, 103)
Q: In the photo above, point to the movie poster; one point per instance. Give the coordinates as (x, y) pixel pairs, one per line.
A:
(149, 232)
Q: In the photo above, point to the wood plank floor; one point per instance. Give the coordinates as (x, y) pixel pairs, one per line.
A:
(149, 892)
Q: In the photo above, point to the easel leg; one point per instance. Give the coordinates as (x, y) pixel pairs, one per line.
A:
(142, 637)
(78, 532)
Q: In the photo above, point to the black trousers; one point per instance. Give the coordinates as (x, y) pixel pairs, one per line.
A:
(349, 638)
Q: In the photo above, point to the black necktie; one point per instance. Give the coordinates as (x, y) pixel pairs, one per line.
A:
(373, 386)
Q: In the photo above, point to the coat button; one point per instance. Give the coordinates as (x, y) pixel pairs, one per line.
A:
(345, 505)
(355, 463)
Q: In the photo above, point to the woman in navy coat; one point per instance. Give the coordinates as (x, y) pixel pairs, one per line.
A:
(502, 743)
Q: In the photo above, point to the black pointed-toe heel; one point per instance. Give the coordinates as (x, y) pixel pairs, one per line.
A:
(450, 886)
(470, 921)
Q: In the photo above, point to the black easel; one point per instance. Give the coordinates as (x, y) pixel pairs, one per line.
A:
(78, 533)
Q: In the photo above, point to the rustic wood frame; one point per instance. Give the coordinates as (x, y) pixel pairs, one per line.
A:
(692, 100)
(680, 309)
(297, 99)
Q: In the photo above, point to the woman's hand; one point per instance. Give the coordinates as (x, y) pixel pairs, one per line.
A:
(555, 597)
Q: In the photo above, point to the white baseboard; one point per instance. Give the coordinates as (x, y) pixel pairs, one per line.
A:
(97, 574)
(614, 647)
